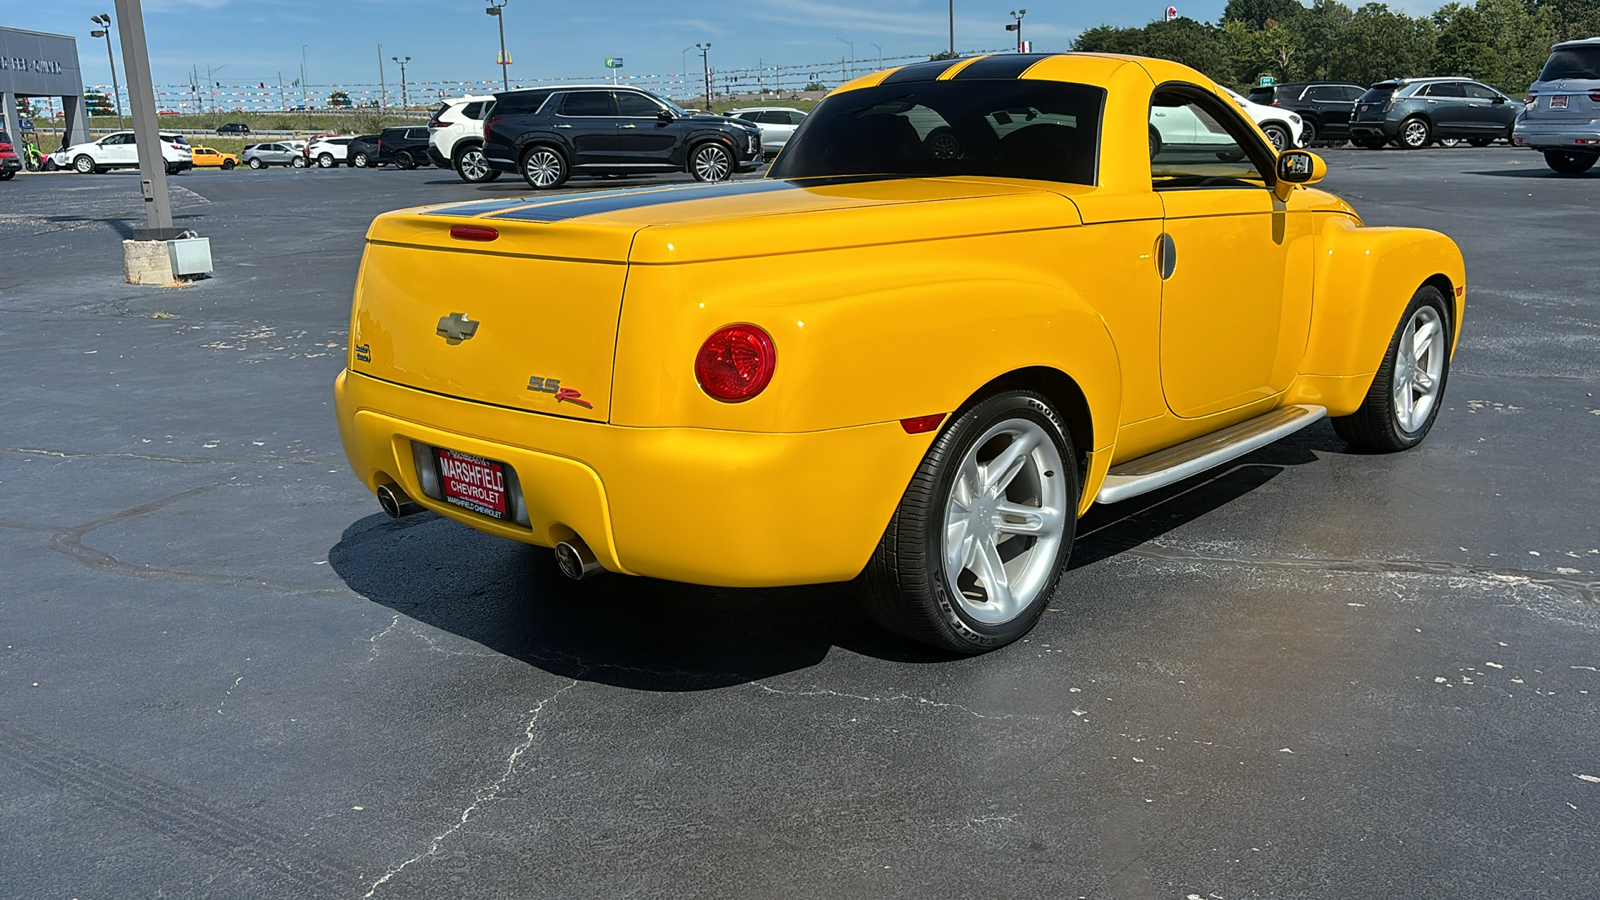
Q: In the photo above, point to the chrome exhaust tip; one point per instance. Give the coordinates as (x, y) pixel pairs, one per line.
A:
(576, 560)
(395, 502)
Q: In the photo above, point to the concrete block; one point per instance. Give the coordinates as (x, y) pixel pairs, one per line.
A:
(147, 262)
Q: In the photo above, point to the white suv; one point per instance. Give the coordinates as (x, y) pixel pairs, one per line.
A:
(329, 152)
(118, 151)
(455, 138)
(777, 123)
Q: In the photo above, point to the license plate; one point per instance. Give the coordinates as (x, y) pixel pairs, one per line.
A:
(472, 482)
(1558, 102)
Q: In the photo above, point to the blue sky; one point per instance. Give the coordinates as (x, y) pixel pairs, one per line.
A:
(252, 41)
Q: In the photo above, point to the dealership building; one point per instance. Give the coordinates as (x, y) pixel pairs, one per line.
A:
(35, 65)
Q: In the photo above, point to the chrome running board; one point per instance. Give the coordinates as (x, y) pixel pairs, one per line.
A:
(1174, 464)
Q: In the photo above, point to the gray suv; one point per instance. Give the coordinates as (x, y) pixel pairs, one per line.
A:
(1561, 114)
(1415, 112)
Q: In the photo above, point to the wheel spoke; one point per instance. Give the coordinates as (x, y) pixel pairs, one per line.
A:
(1423, 337)
(1424, 382)
(1003, 468)
(1036, 521)
(991, 570)
(960, 545)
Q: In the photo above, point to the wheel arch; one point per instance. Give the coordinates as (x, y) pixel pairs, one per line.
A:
(1064, 394)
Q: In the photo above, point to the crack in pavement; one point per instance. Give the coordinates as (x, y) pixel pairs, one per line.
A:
(1582, 590)
(148, 457)
(482, 795)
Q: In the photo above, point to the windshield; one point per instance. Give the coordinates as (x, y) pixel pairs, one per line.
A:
(1573, 62)
(1379, 93)
(1044, 130)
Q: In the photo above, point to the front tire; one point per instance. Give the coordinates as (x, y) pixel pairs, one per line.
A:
(1278, 135)
(1406, 393)
(1415, 133)
(711, 161)
(544, 168)
(472, 167)
(1561, 161)
(299, 162)
(980, 539)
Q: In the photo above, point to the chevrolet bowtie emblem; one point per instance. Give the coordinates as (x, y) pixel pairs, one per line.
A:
(456, 328)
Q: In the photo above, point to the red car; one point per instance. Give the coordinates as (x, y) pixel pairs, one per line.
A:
(10, 162)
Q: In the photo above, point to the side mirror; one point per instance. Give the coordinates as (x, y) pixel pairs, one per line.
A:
(664, 115)
(1499, 100)
(1298, 167)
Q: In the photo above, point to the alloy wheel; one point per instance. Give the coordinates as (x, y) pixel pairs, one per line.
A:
(1005, 519)
(711, 163)
(543, 168)
(473, 165)
(1418, 369)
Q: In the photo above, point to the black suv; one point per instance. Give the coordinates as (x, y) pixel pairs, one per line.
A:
(549, 134)
(1324, 107)
(404, 145)
(233, 128)
(1415, 112)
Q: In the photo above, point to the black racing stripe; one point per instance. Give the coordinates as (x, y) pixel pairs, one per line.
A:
(477, 207)
(1001, 65)
(922, 71)
(593, 205)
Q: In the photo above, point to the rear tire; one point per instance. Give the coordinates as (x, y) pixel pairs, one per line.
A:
(544, 168)
(1561, 161)
(84, 164)
(326, 161)
(256, 163)
(1308, 132)
(404, 160)
(1415, 133)
(1480, 142)
(980, 539)
(1369, 143)
(360, 161)
(1406, 394)
(227, 165)
(472, 167)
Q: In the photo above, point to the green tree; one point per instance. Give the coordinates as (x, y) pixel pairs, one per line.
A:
(98, 104)
(1108, 39)
(1380, 43)
(944, 54)
(1257, 13)
(1183, 40)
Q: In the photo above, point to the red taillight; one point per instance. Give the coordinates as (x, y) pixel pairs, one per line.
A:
(473, 233)
(735, 363)
(921, 424)
(486, 124)
(439, 124)
(1595, 96)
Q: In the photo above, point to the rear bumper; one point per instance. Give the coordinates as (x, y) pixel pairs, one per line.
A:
(437, 157)
(1360, 131)
(10, 164)
(737, 509)
(1581, 136)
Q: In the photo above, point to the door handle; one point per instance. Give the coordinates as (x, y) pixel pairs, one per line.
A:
(1166, 256)
(563, 126)
(627, 126)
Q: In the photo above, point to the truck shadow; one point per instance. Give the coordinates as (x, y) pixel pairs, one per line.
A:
(644, 634)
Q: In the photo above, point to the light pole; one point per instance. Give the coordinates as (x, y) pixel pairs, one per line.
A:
(952, 27)
(1017, 27)
(211, 85)
(305, 85)
(705, 63)
(494, 10)
(852, 69)
(404, 102)
(880, 55)
(104, 21)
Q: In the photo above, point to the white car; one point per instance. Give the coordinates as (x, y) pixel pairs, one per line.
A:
(777, 123)
(329, 152)
(455, 138)
(118, 151)
(1281, 126)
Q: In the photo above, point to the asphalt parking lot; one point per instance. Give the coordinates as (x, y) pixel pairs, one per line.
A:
(1314, 673)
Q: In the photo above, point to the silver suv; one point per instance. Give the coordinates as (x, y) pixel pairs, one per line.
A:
(1561, 114)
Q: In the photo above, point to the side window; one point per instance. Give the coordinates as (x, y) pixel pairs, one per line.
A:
(796, 118)
(1446, 89)
(636, 106)
(1323, 92)
(1479, 92)
(1197, 141)
(473, 110)
(773, 118)
(587, 103)
(747, 116)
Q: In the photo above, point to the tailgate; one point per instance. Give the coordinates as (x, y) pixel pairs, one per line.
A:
(492, 321)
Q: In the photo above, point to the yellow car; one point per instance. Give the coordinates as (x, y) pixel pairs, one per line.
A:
(206, 156)
(971, 299)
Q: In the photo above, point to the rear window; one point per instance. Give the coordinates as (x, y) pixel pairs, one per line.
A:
(1379, 93)
(1573, 62)
(519, 103)
(1264, 94)
(473, 110)
(433, 120)
(1020, 129)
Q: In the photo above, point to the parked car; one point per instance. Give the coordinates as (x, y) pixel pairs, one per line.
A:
(406, 146)
(455, 138)
(1324, 107)
(329, 152)
(777, 123)
(1415, 112)
(363, 151)
(550, 134)
(276, 153)
(1561, 114)
(233, 128)
(206, 157)
(1282, 127)
(887, 362)
(119, 151)
(10, 162)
